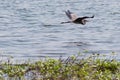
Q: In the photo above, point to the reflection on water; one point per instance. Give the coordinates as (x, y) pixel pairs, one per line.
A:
(31, 29)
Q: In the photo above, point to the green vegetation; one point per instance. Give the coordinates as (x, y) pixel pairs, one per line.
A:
(72, 68)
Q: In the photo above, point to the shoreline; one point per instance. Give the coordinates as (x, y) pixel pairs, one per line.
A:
(71, 68)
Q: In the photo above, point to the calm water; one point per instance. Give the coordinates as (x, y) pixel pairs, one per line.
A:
(32, 29)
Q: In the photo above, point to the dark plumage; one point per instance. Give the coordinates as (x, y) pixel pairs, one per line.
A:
(75, 19)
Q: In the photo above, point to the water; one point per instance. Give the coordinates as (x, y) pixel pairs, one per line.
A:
(32, 29)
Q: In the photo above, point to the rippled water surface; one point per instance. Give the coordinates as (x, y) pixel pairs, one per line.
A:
(32, 29)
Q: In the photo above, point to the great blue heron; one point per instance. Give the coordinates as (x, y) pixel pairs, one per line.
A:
(74, 19)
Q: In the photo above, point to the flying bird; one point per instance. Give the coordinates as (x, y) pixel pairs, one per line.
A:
(75, 19)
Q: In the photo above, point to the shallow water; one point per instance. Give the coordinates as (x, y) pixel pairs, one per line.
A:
(32, 29)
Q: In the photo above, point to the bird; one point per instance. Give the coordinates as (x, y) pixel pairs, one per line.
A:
(75, 19)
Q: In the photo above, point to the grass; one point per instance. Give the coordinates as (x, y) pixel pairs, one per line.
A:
(72, 68)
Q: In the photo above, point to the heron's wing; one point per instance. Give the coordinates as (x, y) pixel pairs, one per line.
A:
(71, 15)
(87, 17)
(68, 13)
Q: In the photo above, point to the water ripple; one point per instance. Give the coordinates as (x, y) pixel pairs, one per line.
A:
(32, 28)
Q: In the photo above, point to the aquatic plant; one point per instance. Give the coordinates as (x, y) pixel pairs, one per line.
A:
(72, 68)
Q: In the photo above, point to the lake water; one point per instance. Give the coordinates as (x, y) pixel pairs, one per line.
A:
(32, 29)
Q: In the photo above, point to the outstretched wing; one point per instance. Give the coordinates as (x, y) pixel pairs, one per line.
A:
(68, 13)
(71, 15)
(87, 17)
